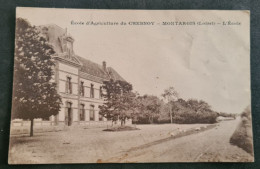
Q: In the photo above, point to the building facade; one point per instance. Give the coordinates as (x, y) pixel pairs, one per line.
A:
(79, 81)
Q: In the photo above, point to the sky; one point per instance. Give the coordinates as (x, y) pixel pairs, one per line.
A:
(205, 62)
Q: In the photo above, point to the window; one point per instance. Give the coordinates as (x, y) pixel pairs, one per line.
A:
(100, 118)
(92, 91)
(100, 92)
(82, 113)
(56, 119)
(81, 90)
(68, 85)
(91, 113)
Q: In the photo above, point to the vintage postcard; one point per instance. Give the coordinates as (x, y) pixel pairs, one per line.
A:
(131, 86)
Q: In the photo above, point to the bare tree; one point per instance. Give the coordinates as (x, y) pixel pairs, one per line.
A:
(170, 94)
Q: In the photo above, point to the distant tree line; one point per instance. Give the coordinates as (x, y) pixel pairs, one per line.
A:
(121, 104)
(190, 111)
(223, 114)
(182, 112)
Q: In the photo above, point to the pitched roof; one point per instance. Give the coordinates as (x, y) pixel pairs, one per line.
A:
(97, 70)
(114, 75)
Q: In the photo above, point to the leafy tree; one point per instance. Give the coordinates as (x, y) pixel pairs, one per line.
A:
(188, 112)
(34, 93)
(148, 107)
(119, 101)
(193, 111)
(198, 105)
(170, 94)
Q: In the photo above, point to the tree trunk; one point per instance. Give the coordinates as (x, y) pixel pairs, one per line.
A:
(150, 119)
(31, 128)
(123, 122)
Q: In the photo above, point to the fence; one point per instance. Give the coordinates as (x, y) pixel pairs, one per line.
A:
(23, 126)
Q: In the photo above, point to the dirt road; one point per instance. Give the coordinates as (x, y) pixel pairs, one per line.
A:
(210, 146)
(153, 143)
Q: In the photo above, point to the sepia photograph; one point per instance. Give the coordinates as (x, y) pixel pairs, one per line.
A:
(131, 86)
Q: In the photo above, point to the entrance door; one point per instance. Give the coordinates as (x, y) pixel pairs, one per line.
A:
(69, 115)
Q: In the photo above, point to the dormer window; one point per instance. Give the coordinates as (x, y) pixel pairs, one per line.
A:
(67, 44)
(69, 48)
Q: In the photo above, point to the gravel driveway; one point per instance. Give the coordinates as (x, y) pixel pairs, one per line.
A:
(82, 145)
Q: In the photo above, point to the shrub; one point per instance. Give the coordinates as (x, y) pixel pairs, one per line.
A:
(162, 120)
(145, 120)
(243, 136)
(189, 117)
(193, 111)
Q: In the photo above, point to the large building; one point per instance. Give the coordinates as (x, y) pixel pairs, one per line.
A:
(79, 81)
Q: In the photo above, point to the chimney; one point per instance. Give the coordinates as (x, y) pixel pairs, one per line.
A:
(104, 66)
